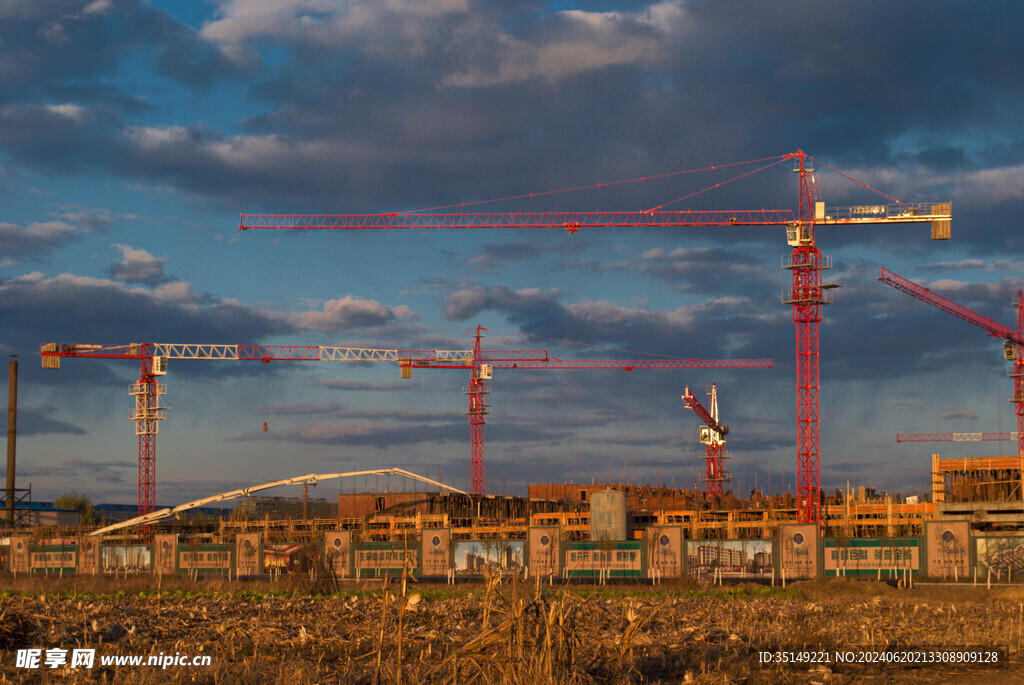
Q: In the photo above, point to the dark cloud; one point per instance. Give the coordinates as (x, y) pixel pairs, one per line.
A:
(35, 240)
(342, 412)
(56, 45)
(81, 471)
(52, 309)
(361, 433)
(38, 419)
(370, 106)
(963, 414)
(494, 256)
(359, 386)
(374, 102)
(541, 313)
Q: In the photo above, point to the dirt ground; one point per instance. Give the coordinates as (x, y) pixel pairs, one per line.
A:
(501, 633)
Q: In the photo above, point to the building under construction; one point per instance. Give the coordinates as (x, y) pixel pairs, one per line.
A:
(987, 491)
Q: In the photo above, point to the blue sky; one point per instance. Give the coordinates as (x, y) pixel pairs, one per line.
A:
(133, 134)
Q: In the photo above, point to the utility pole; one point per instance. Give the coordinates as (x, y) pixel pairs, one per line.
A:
(12, 431)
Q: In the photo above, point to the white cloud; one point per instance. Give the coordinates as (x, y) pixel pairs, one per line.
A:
(329, 23)
(559, 45)
(350, 312)
(989, 186)
(68, 111)
(98, 7)
(151, 137)
(137, 266)
(180, 292)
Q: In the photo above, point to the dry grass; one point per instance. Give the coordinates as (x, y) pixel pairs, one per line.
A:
(495, 632)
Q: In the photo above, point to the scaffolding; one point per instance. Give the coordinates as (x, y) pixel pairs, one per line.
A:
(977, 479)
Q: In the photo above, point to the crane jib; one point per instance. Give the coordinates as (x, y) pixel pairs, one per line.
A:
(939, 214)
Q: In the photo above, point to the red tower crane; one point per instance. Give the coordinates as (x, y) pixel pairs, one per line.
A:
(712, 435)
(806, 263)
(1013, 340)
(154, 356)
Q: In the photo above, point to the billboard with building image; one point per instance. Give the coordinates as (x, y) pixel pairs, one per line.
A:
(999, 557)
(487, 557)
(732, 559)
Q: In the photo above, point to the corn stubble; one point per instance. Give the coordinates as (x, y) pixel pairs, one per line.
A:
(499, 631)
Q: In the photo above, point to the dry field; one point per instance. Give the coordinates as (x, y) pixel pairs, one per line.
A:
(293, 631)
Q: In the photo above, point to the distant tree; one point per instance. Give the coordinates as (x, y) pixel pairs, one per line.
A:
(80, 503)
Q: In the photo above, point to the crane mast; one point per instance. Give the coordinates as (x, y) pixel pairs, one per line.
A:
(476, 392)
(806, 262)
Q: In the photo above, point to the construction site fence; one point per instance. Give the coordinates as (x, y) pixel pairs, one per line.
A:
(948, 550)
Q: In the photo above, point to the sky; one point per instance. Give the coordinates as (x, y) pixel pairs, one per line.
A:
(133, 134)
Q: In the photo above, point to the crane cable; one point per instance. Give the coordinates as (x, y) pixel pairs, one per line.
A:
(593, 186)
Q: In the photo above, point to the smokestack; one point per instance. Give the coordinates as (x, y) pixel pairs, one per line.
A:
(12, 430)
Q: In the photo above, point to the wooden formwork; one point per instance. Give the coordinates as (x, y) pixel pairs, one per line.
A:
(977, 479)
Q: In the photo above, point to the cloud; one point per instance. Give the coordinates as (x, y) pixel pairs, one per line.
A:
(540, 313)
(364, 433)
(404, 25)
(369, 100)
(972, 264)
(137, 266)
(359, 386)
(571, 43)
(348, 312)
(469, 302)
(343, 412)
(91, 220)
(100, 310)
(35, 239)
(494, 256)
(37, 419)
(702, 269)
(179, 292)
(49, 42)
(80, 471)
(961, 414)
